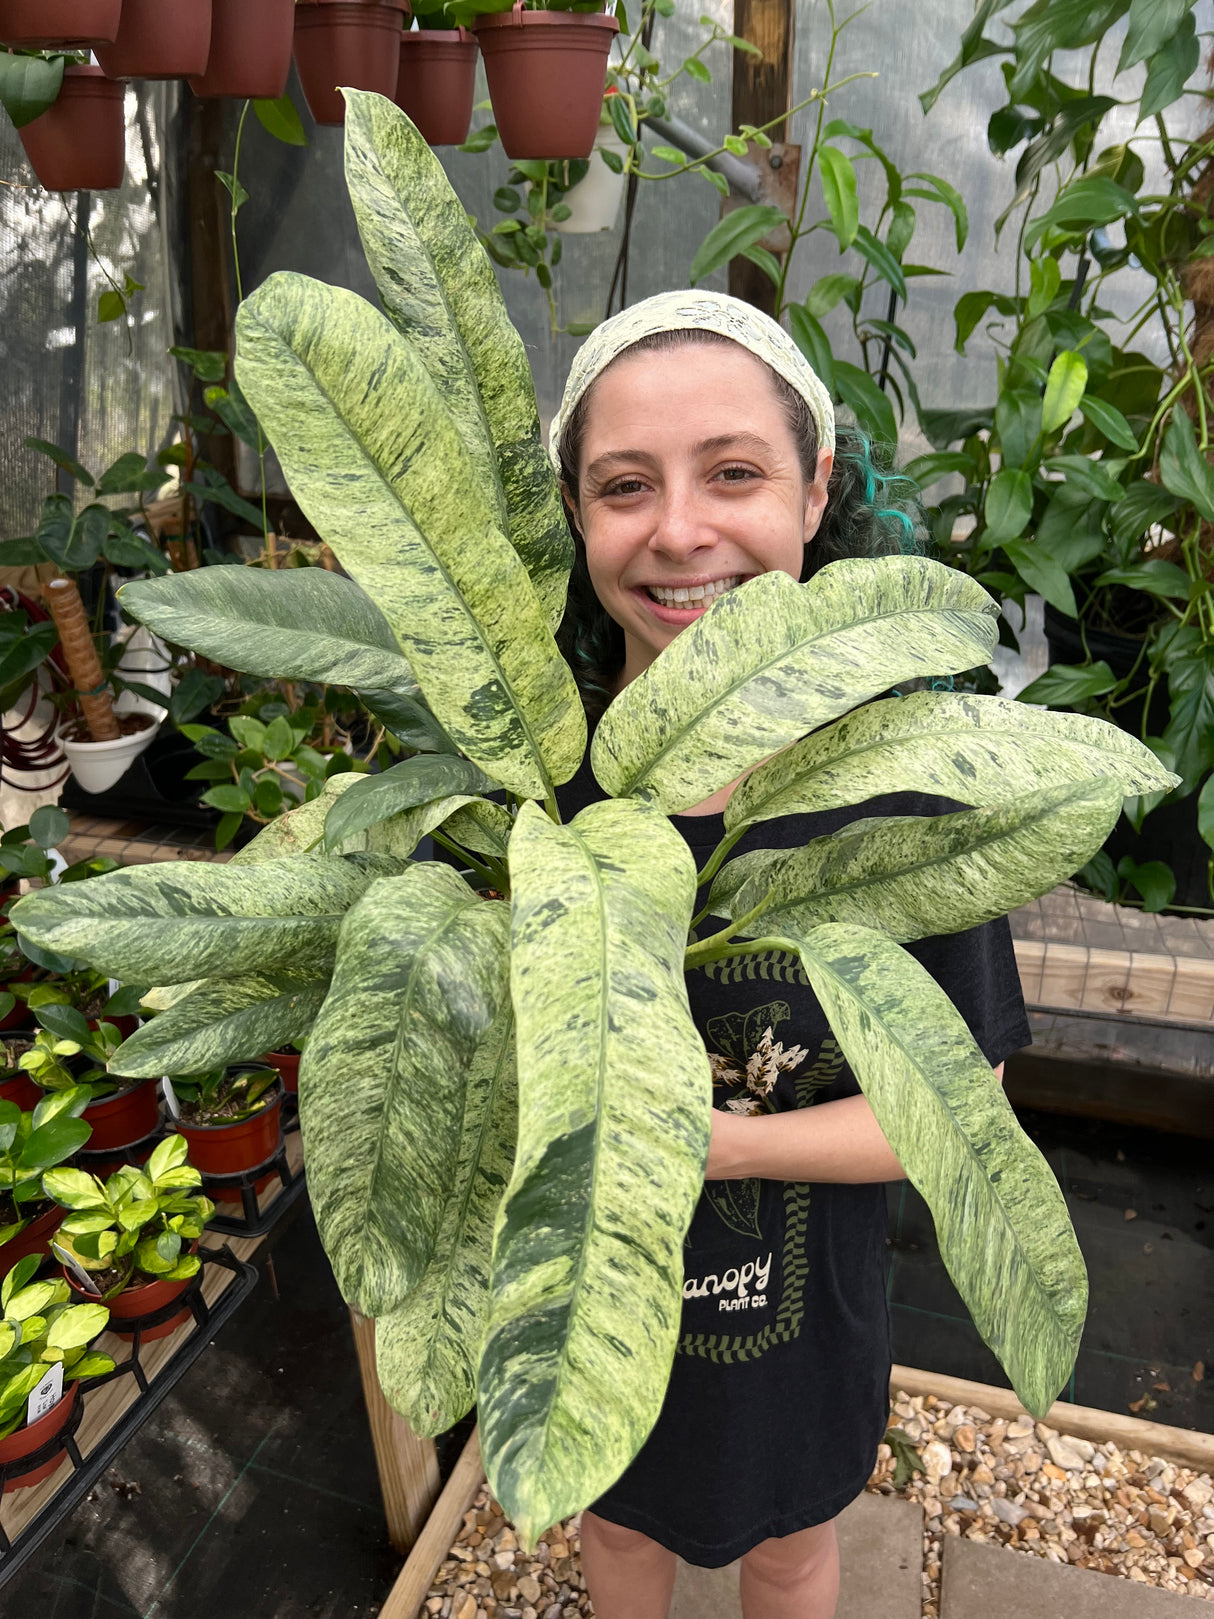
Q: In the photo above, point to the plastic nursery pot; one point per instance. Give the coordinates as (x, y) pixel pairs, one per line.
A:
(547, 71)
(35, 1239)
(250, 49)
(349, 42)
(159, 39)
(437, 83)
(98, 765)
(287, 1064)
(27, 1440)
(117, 1121)
(230, 1149)
(140, 1300)
(21, 1089)
(45, 24)
(79, 144)
(103, 1164)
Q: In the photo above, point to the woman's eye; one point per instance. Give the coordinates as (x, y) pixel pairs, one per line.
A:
(625, 486)
(737, 474)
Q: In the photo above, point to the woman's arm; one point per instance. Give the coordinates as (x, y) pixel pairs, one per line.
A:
(835, 1141)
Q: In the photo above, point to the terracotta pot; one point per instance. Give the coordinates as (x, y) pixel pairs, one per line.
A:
(129, 1116)
(22, 1090)
(250, 49)
(103, 1164)
(79, 144)
(437, 83)
(547, 71)
(35, 1239)
(47, 24)
(287, 1064)
(230, 1149)
(27, 1440)
(345, 42)
(142, 1300)
(159, 39)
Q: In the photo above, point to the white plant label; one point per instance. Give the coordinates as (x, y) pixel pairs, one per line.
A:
(76, 1268)
(170, 1096)
(47, 1395)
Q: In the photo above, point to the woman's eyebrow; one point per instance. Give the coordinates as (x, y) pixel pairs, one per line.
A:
(603, 464)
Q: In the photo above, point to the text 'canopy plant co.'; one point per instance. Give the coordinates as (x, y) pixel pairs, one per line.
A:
(498, 1165)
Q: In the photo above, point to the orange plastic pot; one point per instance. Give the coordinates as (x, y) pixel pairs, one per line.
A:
(547, 71)
(345, 42)
(230, 1149)
(437, 83)
(46, 24)
(287, 1064)
(250, 49)
(159, 39)
(134, 1302)
(27, 1440)
(35, 1239)
(79, 144)
(117, 1121)
(22, 1090)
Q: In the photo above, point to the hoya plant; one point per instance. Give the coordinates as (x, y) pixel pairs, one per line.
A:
(40, 1327)
(506, 1106)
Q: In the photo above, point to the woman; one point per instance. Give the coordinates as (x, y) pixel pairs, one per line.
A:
(696, 449)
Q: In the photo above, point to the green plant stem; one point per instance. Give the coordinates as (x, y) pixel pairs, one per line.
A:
(715, 861)
(718, 945)
(469, 859)
(722, 945)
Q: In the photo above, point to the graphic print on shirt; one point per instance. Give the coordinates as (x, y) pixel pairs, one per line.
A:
(746, 1060)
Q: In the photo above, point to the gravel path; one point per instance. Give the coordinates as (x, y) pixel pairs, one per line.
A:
(1018, 1484)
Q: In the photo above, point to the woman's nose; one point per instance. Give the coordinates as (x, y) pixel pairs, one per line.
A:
(682, 525)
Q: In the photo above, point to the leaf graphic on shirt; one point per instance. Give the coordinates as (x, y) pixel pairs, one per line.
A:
(737, 1034)
(737, 1203)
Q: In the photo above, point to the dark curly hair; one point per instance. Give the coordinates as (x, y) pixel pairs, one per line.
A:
(871, 510)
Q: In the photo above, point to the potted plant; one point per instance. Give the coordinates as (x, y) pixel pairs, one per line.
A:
(437, 80)
(44, 1345)
(229, 1117)
(159, 39)
(346, 42)
(547, 70)
(70, 118)
(70, 24)
(286, 1062)
(30, 1144)
(250, 55)
(131, 1239)
(67, 1054)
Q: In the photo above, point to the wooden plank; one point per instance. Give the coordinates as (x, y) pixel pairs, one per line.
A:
(1072, 977)
(1120, 1091)
(408, 1465)
(1184, 1445)
(761, 90)
(414, 1580)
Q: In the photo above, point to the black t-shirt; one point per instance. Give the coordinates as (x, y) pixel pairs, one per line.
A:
(779, 1394)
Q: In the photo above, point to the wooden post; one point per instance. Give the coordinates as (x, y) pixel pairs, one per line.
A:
(210, 293)
(408, 1466)
(761, 90)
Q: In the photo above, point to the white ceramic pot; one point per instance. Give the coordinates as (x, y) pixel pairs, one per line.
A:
(595, 201)
(98, 765)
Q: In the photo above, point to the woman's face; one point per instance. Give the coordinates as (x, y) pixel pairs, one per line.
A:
(690, 484)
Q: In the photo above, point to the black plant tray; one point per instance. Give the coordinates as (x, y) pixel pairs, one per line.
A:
(252, 1222)
(86, 1470)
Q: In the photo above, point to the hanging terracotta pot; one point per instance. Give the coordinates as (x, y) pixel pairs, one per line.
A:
(53, 24)
(437, 83)
(159, 39)
(128, 1116)
(31, 1438)
(79, 144)
(547, 72)
(346, 42)
(250, 49)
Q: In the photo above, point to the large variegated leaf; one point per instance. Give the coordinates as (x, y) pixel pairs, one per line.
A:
(1001, 1220)
(614, 1115)
(179, 919)
(974, 749)
(287, 624)
(771, 660)
(427, 1349)
(223, 1021)
(482, 827)
(421, 974)
(374, 458)
(439, 289)
(914, 876)
(401, 787)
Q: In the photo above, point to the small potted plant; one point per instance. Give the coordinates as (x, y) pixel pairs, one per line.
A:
(69, 116)
(43, 24)
(437, 83)
(41, 1330)
(250, 50)
(66, 1053)
(346, 42)
(286, 1062)
(30, 1144)
(130, 1240)
(230, 1117)
(159, 39)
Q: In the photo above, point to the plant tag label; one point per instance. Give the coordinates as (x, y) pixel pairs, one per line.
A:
(69, 1262)
(47, 1395)
(170, 1096)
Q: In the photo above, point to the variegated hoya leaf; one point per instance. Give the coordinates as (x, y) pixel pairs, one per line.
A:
(615, 1101)
(223, 1021)
(1001, 1220)
(772, 659)
(959, 745)
(915, 876)
(179, 919)
(439, 289)
(481, 826)
(421, 975)
(375, 460)
(404, 786)
(427, 1349)
(286, 624)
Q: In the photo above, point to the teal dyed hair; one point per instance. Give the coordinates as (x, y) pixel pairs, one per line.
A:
(871, 510)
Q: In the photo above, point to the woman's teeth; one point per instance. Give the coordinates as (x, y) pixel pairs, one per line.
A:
(692, 595)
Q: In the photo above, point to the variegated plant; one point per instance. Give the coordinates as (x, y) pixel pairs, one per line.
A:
(506, 1108)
